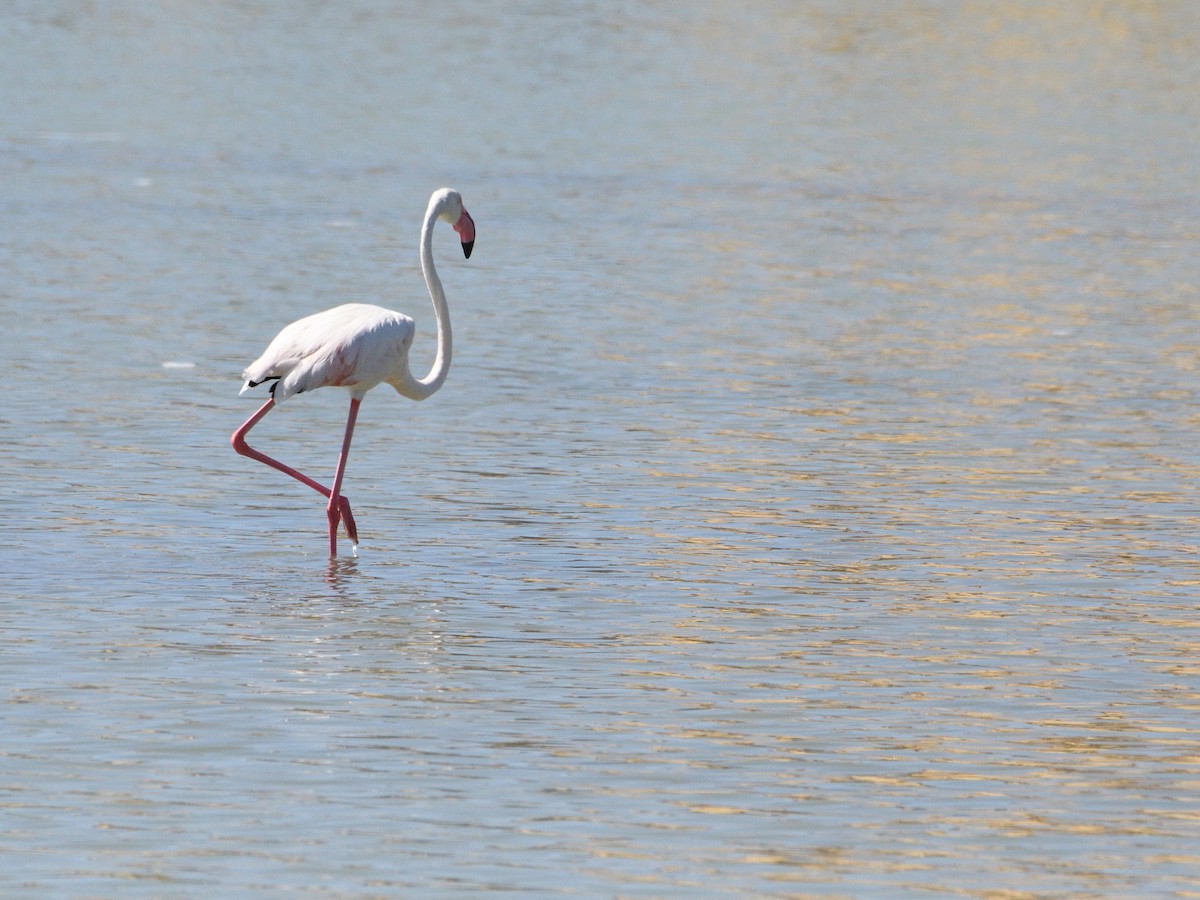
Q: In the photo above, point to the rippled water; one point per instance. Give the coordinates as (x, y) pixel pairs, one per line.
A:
(811, 509)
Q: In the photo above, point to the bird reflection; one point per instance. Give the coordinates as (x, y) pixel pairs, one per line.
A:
(338, 573)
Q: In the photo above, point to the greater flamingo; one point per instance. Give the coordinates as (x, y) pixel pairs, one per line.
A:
(355, 346)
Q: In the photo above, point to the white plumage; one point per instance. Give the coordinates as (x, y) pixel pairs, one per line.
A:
(355, 346)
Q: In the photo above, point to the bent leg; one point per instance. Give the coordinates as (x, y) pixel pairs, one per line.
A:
(339, 506)
(238, 440)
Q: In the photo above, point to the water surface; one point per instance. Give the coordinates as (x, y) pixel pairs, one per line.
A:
(810, 510)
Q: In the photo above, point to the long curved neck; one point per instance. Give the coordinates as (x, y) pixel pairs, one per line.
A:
(419, 389)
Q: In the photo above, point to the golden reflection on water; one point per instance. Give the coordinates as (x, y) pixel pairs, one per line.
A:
(978, 524)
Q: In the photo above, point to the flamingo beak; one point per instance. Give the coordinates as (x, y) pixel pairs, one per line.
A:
(466, 232)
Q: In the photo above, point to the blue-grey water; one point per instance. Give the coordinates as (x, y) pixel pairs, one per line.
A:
(812, 508)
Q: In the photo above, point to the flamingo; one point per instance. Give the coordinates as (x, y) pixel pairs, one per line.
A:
(355, 346)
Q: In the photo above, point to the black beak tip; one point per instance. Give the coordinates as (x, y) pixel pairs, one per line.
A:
(467, 247)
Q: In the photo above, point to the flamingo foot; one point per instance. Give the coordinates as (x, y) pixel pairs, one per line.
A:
(348, 520)
(340, 513)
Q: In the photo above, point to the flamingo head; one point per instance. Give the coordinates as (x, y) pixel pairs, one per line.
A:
(450, 208)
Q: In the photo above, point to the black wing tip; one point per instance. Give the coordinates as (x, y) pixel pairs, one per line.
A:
(274, 379)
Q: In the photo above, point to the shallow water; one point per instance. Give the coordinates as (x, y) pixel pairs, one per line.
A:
(811, 509)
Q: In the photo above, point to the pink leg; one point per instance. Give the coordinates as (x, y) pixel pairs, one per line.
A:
(334, 510)
(343, 504)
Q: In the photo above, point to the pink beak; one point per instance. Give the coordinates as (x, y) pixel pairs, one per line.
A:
(466, 232)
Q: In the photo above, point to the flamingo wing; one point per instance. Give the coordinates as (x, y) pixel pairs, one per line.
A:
(355, 346)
